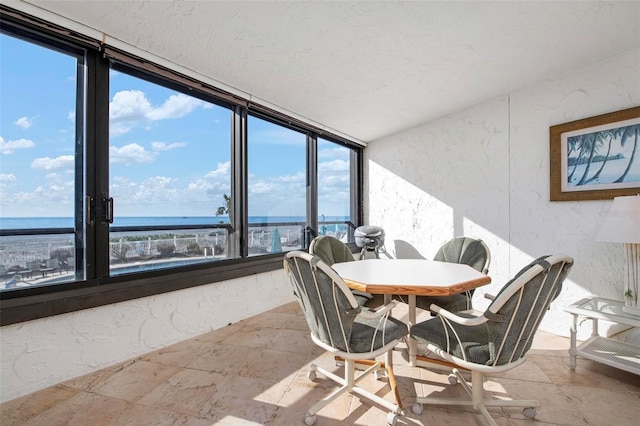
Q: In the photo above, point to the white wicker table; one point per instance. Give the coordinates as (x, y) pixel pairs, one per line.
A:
(615, 353)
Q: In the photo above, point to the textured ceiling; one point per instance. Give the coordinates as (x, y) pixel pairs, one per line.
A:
(368, 69)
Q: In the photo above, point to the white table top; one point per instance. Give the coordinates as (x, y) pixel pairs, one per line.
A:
(410, 276)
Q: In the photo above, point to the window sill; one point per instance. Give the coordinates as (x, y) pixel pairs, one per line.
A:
(49, 301)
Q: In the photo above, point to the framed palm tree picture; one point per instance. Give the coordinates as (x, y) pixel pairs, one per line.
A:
(596, 158)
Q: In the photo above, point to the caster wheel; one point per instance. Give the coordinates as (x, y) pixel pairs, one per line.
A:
(416, 408)
(453, 380)
(529, 412)
(392, 419)
(309, 420)
(312, 376)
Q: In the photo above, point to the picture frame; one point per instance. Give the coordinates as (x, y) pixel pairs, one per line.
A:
(596, 158)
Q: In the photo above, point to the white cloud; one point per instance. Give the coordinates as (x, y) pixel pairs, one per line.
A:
(175, 107)
(215, 183)
(130, 108)
(46, 163)
(130, 154)
(7, 178)
(334, 153)
(222, 170)
(261, 187)
(71, 115)
(333, 166)
(25, 122)
(297, 178)
(10, 146)
(129, 105)
(278, 136)
(163, 146)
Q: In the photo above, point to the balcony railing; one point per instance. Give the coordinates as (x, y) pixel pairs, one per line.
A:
(45, 256)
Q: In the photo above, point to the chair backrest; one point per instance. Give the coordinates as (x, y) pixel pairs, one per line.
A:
(328, 305)
(517, 310)
(465, 250)
(331, 250)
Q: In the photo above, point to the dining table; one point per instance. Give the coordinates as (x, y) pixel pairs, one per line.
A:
(411, 278)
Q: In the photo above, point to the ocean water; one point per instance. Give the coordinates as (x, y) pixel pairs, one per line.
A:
(67, 222)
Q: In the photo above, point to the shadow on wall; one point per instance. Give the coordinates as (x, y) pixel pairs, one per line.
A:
(404, 250)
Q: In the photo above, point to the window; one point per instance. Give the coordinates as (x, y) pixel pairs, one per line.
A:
(169, 177)
(277, 187)
(41, 192)
(122, 179)
(335, 197)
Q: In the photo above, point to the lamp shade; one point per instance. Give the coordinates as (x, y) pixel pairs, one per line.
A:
(622, 222)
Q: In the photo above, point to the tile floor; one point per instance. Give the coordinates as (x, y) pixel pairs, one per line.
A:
(254, 372)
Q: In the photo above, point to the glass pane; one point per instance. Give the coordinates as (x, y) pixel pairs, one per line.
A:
(38, 98)
(277, 187)
(169, 174)
(334, 190)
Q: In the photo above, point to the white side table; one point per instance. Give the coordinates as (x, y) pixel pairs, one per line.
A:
(607, 351)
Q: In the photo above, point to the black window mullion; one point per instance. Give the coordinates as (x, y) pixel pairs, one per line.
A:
(239, 215)
(98, 153)
(312, 189)
(356, 191)
(82, 201)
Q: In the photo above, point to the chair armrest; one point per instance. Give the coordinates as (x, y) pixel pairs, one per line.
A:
(476, 320)
(370, 314)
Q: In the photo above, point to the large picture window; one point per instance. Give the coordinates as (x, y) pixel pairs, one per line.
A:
(277, 196)
(41, 150)
(169, 174)
(122, 179)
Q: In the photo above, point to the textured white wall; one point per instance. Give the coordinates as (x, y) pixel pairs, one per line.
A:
(484, 172)
(37, 354)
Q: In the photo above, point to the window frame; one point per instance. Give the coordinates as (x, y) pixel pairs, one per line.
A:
(98, 288)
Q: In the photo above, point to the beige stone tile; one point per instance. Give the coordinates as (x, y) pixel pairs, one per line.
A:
(273, 365)
(90, 382)
(279, 320)
(293, 341)
(604, 406)
(222, 358)
(529, 371)
(19, 410)
(445, 416)
(246, 362)
(246, 400)
(252, 337)
(82, 409)
(549, 344)
(555, 405)
(587, 373)
(222, 333)
(180, 354)
(140, 414)
(288, 308)
(298, 400)
(187, 392)
(136, 380)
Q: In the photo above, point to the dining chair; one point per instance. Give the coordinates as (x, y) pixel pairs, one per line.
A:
(464, 250)
(342, 327)
(331, 250)
(496, 340)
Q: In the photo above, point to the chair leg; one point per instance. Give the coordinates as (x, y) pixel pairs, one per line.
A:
(349, 384)
(387, 366)
(477, 400)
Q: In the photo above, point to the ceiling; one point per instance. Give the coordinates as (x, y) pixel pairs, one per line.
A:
(368, 69)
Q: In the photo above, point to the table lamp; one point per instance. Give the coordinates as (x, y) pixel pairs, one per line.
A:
(622, 225)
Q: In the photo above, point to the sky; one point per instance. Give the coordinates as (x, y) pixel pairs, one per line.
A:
(169, 153)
